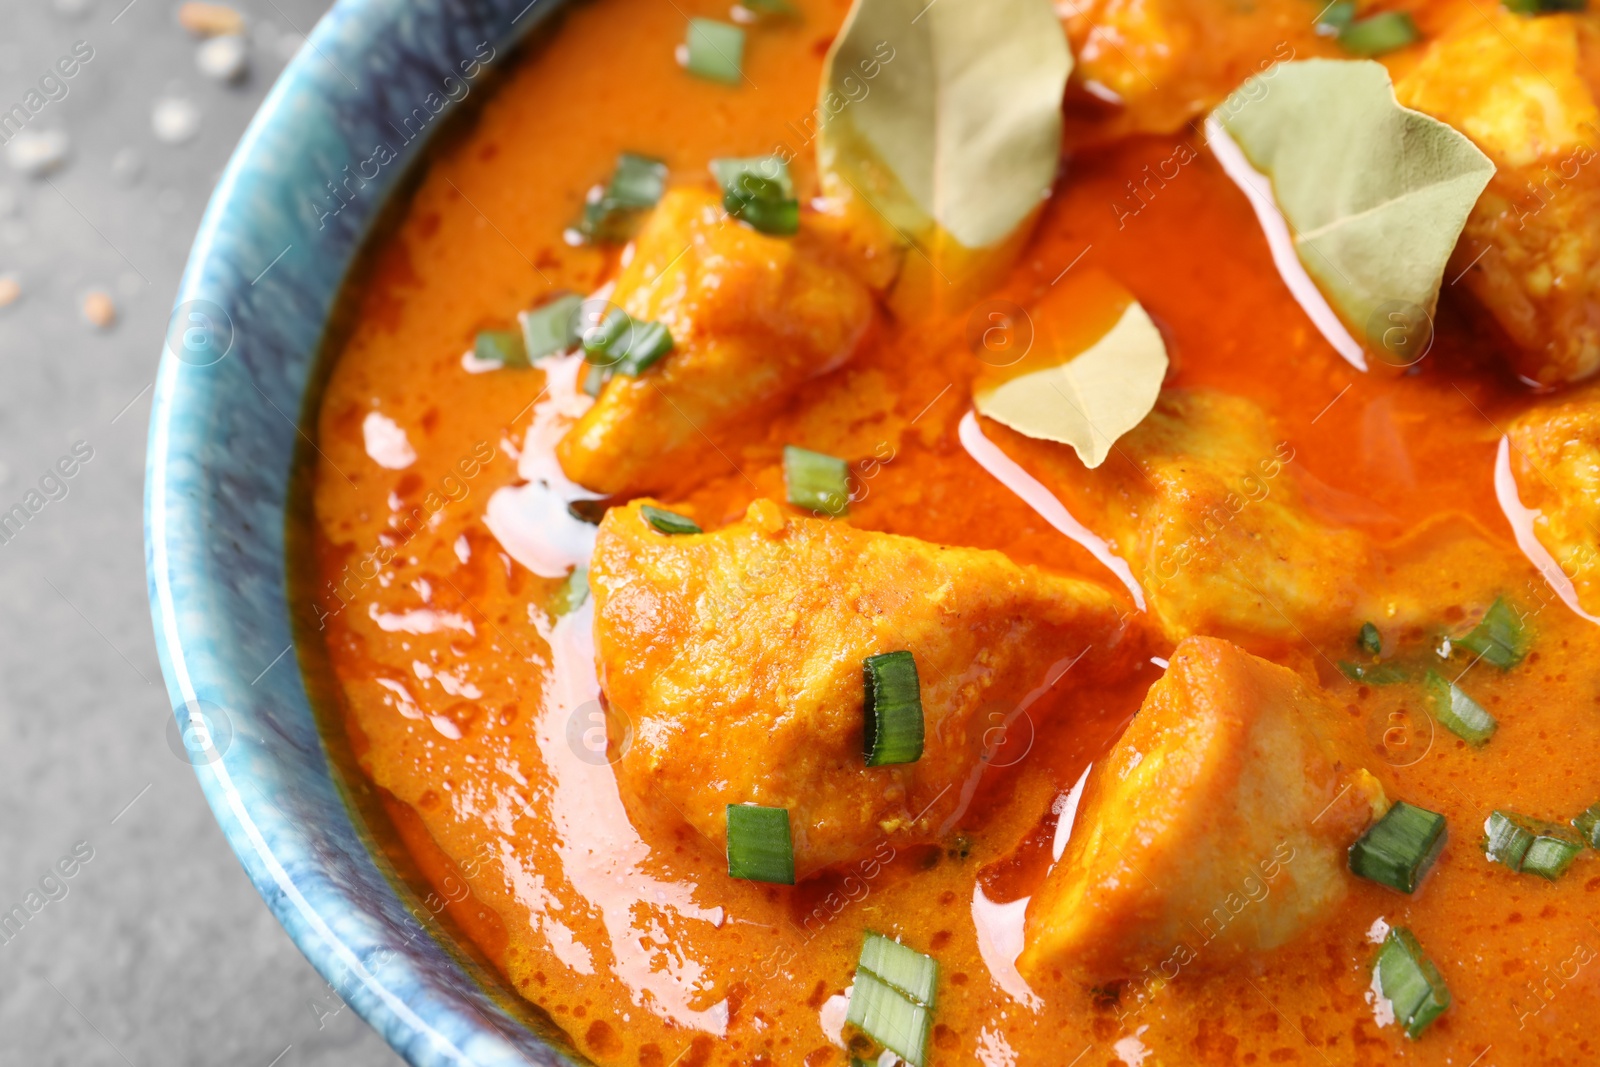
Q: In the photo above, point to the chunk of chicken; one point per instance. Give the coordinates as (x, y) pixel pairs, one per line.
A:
(1556, 461)
(751, 316)
(1200, 500)
(737, 657)
(1524, 90)
(1217, 826)
(1160, 63)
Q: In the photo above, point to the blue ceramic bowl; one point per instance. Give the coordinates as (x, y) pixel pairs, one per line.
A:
(239, 373)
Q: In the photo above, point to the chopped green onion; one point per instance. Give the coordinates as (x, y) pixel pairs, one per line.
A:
(910, 972)
(595, 378)
(759, 846)
(500, 346)
(1379, 34)
(760, 192)
(898, 1024)
(649, 341)
(635, 185)
(1588, 825)
(1500, 638)
(1531, 846)
(605, 341)
(1335, 17)
(571, 593)
(1370, 640)
(715, 51)
(816, 481)
(893, 709)
(1459, 713)
(1544, 7)
(893, 998)
(1410, 982)
(1377, 674)
(1399, 848)
(624, 344)
(551, 328)
(770, 7)
(668, 522)
(589, 511)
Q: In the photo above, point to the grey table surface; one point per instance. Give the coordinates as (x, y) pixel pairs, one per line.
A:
(156, 950)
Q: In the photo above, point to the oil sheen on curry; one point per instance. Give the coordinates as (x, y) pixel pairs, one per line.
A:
(996, 532)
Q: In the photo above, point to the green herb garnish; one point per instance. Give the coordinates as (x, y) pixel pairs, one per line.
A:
(816, 481)
(1398, 849)
(715, 51)
(759, 846)
(1459, 713)
(1528, 845)
(551, 328)
(1409, 981)
(1379, 34)
(500, 346)
(760, 192)
(893, 726)
(612, 211)
(668, 522)
(1499, 638)
(893, 999)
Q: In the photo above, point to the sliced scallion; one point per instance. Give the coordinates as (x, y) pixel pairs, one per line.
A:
(1376, 674)
(1399, 848)
(1588, 825)
(571, 593)
(759, 846)
(760, 192)
(551, 328)
(1459, 713)
(595, 378)
(1544, 7)
(1531, 846)
(635, 185)
(893, 998)
(893, 730)
(1500, 638)
(770, 7)
(668, 522)
(500, 346)
(816, 481)
(907, 970)
(1409, 981)
(715, 51)
(1379, 34)
(1370, 640)
(1335, 17)
(647, 342)
(605, 341)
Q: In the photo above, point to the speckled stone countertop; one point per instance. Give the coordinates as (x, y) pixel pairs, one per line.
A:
(128, 932)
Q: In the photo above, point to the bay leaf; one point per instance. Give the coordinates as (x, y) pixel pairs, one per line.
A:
(1374, 193)
(945, 116)
(1092, 373)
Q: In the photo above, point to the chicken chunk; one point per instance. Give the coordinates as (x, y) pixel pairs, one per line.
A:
(751, 316)
(1161, 63)
(1202, 503)
(1216, 828)
(737, 658)
(1556, 461)
(1524, 90)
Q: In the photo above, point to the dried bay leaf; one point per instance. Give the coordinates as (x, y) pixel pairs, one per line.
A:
(1375, 194)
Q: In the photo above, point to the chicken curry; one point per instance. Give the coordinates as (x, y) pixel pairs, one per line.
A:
(779, 639)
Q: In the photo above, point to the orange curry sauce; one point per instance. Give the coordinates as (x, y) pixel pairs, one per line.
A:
(621, 923)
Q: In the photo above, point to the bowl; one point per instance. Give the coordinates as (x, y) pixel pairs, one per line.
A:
(244, 359)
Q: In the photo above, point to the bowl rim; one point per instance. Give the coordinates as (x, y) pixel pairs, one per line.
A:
(272, 785)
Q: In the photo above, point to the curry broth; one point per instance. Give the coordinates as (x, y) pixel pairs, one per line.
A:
(619, 921)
